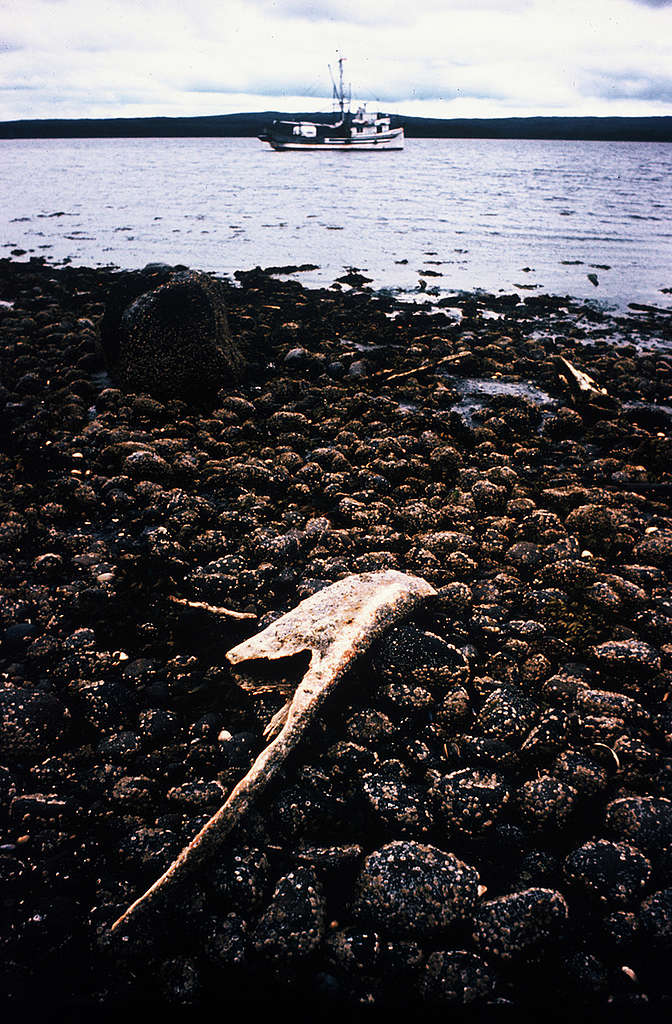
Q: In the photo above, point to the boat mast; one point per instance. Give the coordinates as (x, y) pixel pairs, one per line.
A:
(338, 92)
(340, 86)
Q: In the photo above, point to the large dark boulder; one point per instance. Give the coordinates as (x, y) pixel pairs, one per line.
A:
(173, 341)
(127, 286)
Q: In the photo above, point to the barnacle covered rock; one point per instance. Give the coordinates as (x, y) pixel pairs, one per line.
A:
(414, 889)
(175, 341)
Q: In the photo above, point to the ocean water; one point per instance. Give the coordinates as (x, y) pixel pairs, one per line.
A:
(443, 215)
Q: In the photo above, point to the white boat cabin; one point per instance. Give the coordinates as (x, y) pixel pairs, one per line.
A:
(364, 123)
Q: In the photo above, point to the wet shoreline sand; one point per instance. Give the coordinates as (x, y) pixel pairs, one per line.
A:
(511, 746)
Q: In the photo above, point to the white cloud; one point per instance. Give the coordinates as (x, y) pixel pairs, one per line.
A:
(72, 58)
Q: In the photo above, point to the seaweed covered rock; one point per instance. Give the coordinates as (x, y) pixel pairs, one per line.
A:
(174, 341)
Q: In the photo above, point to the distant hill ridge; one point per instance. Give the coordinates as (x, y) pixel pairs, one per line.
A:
(626, 129)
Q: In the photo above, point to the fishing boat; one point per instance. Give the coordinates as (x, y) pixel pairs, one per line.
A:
(359, 132)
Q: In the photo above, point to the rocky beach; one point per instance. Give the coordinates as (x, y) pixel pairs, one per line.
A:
(481, 816)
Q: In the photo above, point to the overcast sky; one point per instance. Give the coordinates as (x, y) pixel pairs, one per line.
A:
(441, 58)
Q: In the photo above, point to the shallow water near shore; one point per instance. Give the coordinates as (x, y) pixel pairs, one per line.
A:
(512, 215)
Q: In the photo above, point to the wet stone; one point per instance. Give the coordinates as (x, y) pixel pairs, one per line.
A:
(175, 341)
(238, 749)
(353, 948)
(149, 849)
(621, 930)
(326, 859)
(347, 759)
(368, 728)
(398, 805)
(581, 772)
(645, 821)
(522, 924)
(586, 975)
(456, 598)
(414, 889)
(7, 786)
(146, 465)
(292, 926)
(453, 711)
(297, 358)
(197, 795)
(135, 791)
(524, 555)
(300, 809)
(107, 705)
(546, 802)
(488, 497)
(240, 878)
(537, 868)
(179, 981)
(627, 655)
(225, 940)
(484, 750)
(605, 703)
(401, 958)
(507, 715)
(158, 725)
(32, 722)
(408, 655)
(655, 918)
(548, 736)
(49, 565)
(31, 808)
(411, 701)
(615, 874)
(120, 746)
(468, 800)
(456, 978)
(655, 549)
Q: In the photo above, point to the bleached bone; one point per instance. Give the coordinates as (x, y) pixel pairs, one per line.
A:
(582, 386)
(212, 608)
(335, 626)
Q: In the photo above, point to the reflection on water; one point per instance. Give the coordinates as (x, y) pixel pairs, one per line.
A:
(442, 215)
(473, 393)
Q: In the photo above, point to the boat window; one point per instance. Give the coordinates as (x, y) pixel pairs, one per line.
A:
(309, 131)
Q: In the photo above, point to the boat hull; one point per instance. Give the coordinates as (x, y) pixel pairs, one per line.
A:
(393, 140)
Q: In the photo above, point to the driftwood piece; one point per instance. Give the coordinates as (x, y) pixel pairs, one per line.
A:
(335, 626)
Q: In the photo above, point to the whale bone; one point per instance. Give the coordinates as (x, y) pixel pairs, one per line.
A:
(335, 626)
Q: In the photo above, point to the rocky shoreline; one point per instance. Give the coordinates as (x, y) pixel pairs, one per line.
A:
(484, 816)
